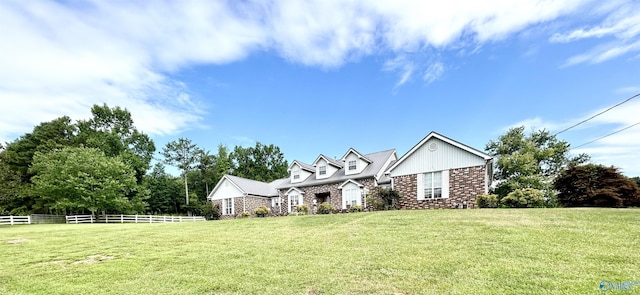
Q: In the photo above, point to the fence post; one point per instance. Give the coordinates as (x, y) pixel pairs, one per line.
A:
(121, 218)
(150, 219)
(180, 218)
(10, 219)
(76, 217)
(106, 218)
(136, 218)
(29, 219)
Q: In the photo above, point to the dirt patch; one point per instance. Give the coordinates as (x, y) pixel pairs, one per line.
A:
(93, 259)
(17, 241)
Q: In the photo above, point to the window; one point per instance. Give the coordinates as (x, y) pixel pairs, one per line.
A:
(228, 206)
(275, 202)
(350, 197)
(352, 165)
(322, 170)
(294, 200)
(433, 185)
(296, 174)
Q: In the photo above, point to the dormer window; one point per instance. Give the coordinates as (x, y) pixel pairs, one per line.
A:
(352, 165)
(296, 174)
(322, 170)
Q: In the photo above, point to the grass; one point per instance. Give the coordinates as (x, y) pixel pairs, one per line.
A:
(501, 251)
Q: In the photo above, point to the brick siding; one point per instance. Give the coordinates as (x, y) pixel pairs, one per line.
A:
(465, 184)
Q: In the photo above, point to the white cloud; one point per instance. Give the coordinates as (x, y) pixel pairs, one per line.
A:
(621, 27)
(433, 72)
(620, 149)
(59, 58)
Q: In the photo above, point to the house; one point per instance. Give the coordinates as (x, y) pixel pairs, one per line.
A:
(438, 172)
(235, 195)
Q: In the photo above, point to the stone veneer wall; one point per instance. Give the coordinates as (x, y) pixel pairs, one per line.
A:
(250, 202)
(331, 188)
(465, 184)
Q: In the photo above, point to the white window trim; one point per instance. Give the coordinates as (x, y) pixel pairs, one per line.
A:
(296, 174)
(351, 194)
(276, 202)
(355, 165)
(299, 198)
(420, 185)
(225, 206)
(322, 170)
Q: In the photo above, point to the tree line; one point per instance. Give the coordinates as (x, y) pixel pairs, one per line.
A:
(104, 164)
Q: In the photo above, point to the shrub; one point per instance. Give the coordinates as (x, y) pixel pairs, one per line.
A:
(302, 209)
(355, 208)
(325, 208)
(383, 198)
(261, 211)
(245, 214)
(211, 211)
(524, 198)
(487, 201)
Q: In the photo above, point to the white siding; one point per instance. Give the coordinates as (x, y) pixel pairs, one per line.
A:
(444, 157)
(360, 164)
(303, 174)
(386, 165)
(226, 189)
(330, 169)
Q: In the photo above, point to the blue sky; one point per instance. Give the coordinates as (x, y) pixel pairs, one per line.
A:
(321, 76)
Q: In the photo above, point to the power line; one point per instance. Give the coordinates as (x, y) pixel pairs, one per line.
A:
(623, 129)
(598, 114)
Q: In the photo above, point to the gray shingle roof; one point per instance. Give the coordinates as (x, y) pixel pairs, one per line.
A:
(333, 162)
(377, 162)
(254, 187)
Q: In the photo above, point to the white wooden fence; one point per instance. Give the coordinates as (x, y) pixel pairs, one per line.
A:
(121, 218)
(13, 220)
(148, 218)
(80, 219)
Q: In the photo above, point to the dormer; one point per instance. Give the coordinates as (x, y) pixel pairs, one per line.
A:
(299, 171)
(325, 167)
(354, 162)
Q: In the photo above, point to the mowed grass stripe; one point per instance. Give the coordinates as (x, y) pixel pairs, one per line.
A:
(499, 251)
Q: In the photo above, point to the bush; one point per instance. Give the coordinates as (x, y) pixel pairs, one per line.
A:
(325, 208)
(355, 208)
(524, 198)
(261, 211)
(211, 211)
(302, 209)
(245, 214)
(383, 198)
(487, 201)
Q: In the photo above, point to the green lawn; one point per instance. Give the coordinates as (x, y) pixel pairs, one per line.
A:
(527, 251)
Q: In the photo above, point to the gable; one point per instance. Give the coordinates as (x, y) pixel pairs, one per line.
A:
(436, 154)
(225, 189)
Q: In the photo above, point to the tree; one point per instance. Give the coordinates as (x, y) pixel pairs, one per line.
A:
(17, 157)
(164, 191)
(183, 154)
(531, 161)
(596, 185)
(112, 131)
(263, 162)
(636, 180)
(78, 179)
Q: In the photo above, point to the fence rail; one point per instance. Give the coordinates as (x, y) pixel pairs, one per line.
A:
(147, 218)
(14, 220)
(121, 218)
(80, 219)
